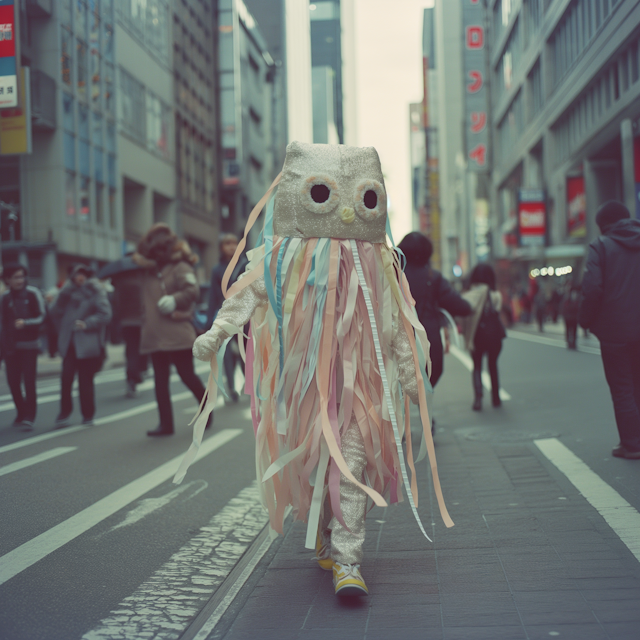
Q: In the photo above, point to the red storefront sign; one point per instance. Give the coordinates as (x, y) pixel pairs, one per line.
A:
(532, 217)
(576, 208)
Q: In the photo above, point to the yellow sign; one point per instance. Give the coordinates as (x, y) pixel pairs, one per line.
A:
(15, 124)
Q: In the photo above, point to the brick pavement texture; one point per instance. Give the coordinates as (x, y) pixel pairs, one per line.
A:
(529, 558)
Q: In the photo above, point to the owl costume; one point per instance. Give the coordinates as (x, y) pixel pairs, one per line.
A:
(335, 351)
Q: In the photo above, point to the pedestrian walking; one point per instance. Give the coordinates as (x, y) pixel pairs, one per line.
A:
(540, 307)
(169, 293)
(333, 341)
(23, 314)
(431, 292)
(228, 246)
(128, 313)
(610, 309)
(81, 313)
(484, 331)
(570, 308)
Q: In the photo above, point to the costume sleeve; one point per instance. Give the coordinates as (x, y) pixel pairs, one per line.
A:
(592, 289)
(450, 300)
(401, 349)
(233, 315)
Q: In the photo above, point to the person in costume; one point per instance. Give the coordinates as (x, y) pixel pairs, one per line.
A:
(335, 351)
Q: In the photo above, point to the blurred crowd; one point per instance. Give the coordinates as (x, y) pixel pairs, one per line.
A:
(151, 301)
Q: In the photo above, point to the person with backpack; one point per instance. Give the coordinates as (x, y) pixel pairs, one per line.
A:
(23, 313)
(483, 330)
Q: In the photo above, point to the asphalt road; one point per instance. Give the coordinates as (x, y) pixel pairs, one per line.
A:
(96, 542)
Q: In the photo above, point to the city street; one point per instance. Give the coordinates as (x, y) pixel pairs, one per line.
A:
(97, 543)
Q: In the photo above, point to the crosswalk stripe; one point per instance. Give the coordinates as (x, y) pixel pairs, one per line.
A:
(549, 342)
(618, 513)
(27, 554)
(29, 462)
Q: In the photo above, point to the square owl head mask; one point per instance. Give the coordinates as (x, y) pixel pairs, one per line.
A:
(331, 191)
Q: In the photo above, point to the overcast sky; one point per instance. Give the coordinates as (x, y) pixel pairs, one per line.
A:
(389, 77)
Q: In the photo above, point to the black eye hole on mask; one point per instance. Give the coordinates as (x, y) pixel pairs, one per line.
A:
(320, 193)
(370, 199)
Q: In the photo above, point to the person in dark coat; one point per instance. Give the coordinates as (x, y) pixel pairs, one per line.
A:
(228, 245)
(610, 309)
(23, 313)
(431, 292)
(128, 313)
(81, 313)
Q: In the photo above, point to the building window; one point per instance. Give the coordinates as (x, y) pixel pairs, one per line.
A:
(99, 203)
(70, 193)
(68, 117)
(113, 220)
(81, 50)
(537, 93)
(132, 100)
(96, 130)
(85, 199)
(158, 126)
(109, 102)
(69, 151)
(66, 12)
(81, 18)
(67, 57)
(149, 21)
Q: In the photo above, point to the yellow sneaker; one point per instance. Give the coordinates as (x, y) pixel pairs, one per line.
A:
(348, 581)
(323, 553)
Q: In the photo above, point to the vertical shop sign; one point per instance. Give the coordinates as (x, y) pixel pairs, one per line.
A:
(576, 208)
(532, 217)
(8, 56)
(474, 66)
(15, 124)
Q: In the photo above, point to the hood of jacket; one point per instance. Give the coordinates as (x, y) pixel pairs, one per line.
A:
(181, 253)
(626, 233)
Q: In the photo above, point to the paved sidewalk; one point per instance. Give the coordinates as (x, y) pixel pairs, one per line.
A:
(529, 558)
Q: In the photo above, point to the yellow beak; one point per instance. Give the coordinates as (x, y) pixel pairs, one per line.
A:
(348, 215)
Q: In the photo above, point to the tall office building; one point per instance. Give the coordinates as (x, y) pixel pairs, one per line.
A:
(247, 114)
(566, 115)
(122, 132)
(195, 61)
(66, 187)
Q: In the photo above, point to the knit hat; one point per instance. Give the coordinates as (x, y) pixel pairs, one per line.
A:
(610, 213)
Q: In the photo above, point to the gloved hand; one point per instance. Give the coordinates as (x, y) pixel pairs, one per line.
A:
(167, 305)
(208, 344)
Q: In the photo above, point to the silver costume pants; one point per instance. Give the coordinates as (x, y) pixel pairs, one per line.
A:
(346, 545)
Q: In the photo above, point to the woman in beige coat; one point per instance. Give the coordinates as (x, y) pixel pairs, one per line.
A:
(169, 293)
(483, 331)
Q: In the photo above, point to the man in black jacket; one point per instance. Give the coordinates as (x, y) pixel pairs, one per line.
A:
(610, 308)
(432, 293)
(23, 313)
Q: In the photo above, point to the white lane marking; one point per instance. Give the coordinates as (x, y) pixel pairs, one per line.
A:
(201, 367)
(466, 360)
(550, 342)
(618, 513)
(229, 597)
(164, 605)
(114, 417)
(29, 462)
(27, 554)
(148, 505)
